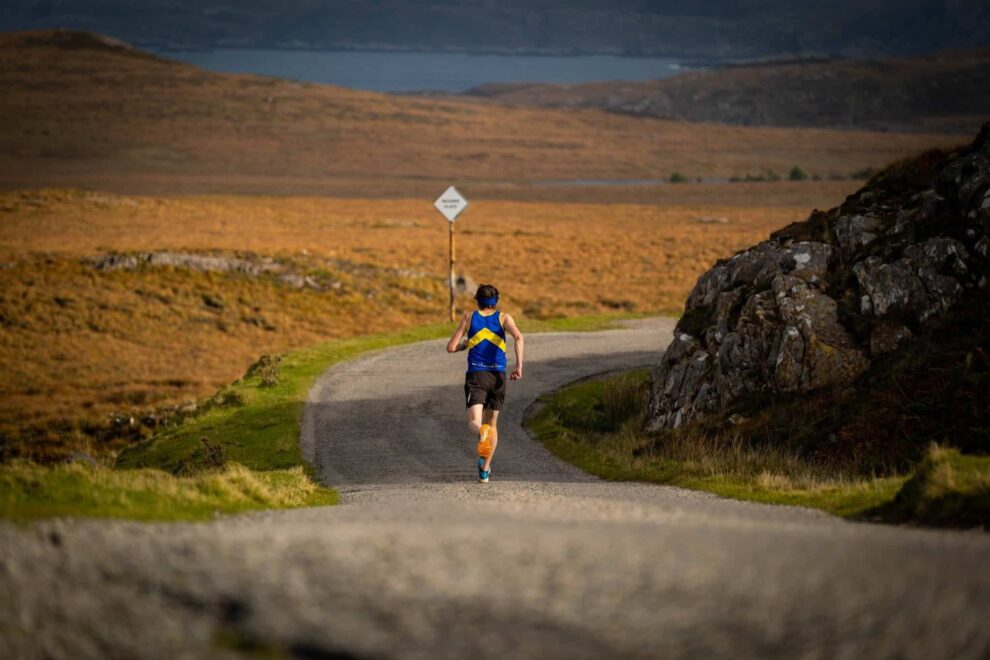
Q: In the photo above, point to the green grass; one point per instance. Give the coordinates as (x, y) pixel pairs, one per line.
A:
(597, 425)
(948, 489)
(239, 451)
(31, 491)
(258, 427)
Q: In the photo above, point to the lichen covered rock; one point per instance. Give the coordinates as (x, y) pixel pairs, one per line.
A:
(813, 306)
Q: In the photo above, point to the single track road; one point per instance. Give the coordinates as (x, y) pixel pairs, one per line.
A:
(421, 561)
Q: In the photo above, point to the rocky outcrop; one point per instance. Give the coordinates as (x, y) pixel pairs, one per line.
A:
(819, 301)
(207, 263)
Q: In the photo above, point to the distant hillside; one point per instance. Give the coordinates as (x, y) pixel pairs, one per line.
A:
(945, 92)
(708, 29)
(79, 109)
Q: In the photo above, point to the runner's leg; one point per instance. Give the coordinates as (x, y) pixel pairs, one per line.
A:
(491, 417)
(474, 418)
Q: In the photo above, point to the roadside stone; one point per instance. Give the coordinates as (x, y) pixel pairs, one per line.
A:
(81, 457)
(116, 262)
(465, 284)
(294, 280)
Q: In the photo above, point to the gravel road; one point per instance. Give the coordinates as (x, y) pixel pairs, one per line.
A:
(420, 561)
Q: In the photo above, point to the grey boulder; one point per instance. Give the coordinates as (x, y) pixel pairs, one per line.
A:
(815, 304)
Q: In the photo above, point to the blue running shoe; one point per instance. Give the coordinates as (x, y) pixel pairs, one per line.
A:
(482, 473)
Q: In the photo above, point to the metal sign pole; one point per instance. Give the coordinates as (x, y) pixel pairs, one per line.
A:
(453, 313)
(451, 203)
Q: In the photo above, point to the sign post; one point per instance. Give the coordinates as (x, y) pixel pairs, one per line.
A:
(451, 203)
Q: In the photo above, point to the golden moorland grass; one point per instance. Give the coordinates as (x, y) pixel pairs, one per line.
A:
(584, 246)
(82, 344)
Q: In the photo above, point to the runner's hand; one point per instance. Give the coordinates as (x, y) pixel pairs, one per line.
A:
(516, 374)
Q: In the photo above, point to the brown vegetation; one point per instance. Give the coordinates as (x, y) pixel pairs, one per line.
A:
(82, 346)
(78, 111)
(84, 351)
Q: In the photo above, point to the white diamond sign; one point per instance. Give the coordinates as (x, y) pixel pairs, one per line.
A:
(450, 203)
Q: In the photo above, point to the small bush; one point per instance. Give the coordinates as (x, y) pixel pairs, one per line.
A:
(227, 398)
(677, 177)
(865, 173)
(948, 488)
(213, 301)
(797, 174)
(765, 176)
(215, 456)
(270, 369)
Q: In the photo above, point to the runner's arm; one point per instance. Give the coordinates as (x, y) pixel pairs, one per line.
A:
(510, 327)
(455, 344)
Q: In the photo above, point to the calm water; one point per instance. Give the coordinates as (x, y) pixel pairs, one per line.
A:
(407, 72)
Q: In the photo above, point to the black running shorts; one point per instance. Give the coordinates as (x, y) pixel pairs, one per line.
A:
(485, 387)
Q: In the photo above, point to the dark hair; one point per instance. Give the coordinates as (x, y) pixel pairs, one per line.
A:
(486, 291)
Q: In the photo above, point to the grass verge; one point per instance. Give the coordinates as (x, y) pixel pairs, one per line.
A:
(597, 425)
(258, 426)
(238, 451)
(31, 491)
(948, 489)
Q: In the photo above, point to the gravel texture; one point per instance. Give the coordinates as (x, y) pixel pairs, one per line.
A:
(420, 561)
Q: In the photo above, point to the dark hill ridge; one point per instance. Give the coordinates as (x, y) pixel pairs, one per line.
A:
(73, 40)
(948, 91)
(714, 29)
(857, 336)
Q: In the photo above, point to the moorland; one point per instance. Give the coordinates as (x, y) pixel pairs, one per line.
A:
(163, 226)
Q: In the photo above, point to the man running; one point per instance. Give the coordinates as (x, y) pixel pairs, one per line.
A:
(482, 334)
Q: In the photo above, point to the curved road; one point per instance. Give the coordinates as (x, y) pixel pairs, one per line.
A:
(421, 561)
(397, 417)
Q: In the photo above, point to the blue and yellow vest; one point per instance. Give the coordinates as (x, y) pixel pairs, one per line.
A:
(486, 342)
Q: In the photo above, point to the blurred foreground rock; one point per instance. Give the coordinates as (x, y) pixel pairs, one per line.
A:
(815, 304)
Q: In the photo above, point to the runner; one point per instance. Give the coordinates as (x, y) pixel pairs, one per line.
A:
(482, 334)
